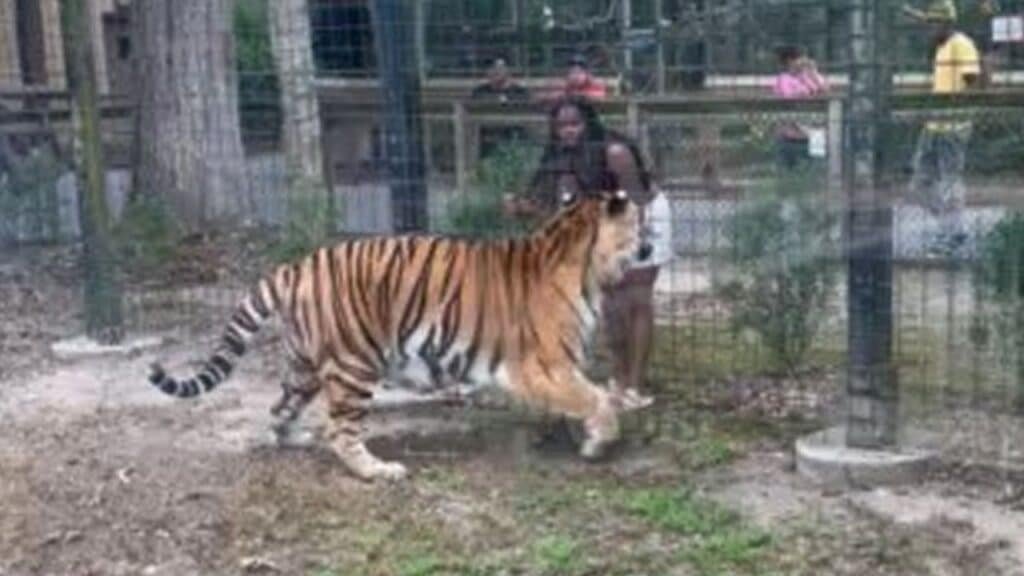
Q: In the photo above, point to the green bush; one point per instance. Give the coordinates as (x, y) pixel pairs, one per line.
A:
(258, 92)
(999, 282)
(783, 269)
(478, 212)
(309, 222)
(146, 235)
(28, 197)
(996, 146)
(1000, 266)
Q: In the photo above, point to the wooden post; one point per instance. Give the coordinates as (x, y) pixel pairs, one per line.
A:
(10, 63)
(659, 15)
(835, 146)
(420, 16)
(461, 158)
(103, 314)
(627, 24)
(633, 119)
(709, 150)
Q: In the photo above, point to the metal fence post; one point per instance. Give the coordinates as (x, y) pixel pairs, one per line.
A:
(103, 309)
(872, 388)
(399, 73)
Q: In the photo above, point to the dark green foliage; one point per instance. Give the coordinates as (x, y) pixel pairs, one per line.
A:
(146, 235)
(308, 224)
(784, 270)
(1000, 269)
(258, 91)
(478, 212)
(28, 197)
(999, 282)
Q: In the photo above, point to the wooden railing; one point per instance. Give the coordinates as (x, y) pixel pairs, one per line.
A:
(634, 115)
(37, 111)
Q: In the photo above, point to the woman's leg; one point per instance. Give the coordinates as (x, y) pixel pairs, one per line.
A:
(629, 326)
(642, 325)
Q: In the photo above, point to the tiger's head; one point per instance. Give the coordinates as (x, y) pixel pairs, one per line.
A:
(611, 226)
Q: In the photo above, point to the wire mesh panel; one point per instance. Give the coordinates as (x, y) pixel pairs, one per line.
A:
(241, 135)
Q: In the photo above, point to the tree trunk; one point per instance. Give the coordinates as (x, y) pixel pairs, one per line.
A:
(103, 313)
(293, 55)
(189, 138)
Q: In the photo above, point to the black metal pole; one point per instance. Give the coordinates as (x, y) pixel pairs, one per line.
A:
(872, 386)
(399, 74)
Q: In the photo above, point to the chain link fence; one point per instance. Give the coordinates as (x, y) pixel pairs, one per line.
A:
(757, 291)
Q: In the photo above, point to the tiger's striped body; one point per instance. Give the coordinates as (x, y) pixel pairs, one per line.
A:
(433, 313)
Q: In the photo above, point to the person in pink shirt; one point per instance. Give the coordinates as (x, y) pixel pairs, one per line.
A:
(798, 79)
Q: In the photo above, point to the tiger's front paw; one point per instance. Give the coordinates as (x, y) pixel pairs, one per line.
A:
(602, 429)
(628, 399)
(389, 471)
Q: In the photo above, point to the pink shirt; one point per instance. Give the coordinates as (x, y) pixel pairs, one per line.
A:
(790, 86)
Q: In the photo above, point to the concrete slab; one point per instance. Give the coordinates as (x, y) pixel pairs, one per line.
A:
(824, 458)
(81, 347)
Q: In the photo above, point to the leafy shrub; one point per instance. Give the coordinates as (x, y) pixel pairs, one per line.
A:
(478, 212)
(783, 266)
(258, 91)
(146, 235)
(28, 197)
(996, 146)
(999, 281)
(309, 221)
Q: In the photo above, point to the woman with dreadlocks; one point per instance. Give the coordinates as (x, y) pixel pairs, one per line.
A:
(583, 157)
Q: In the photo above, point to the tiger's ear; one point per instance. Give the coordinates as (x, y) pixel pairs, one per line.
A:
(617, 202)
(567, 198)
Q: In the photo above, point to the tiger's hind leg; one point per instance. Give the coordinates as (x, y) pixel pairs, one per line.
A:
(297, 393)
(347, 397)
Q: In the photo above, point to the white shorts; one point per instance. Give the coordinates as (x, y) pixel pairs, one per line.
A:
(658, 228)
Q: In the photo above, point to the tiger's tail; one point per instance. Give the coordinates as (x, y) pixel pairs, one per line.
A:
(257, 307)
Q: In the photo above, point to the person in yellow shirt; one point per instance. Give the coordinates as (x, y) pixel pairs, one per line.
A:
(937, 183)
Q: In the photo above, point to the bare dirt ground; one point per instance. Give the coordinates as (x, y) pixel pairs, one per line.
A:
(101, 475)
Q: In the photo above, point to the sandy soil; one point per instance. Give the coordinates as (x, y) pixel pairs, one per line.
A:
(101, 475)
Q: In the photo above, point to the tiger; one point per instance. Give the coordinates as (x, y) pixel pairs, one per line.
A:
(438, 311)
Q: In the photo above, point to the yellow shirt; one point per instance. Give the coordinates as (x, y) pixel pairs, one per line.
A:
(955, 59)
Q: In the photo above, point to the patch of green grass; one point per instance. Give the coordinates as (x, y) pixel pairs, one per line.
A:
(543, 499)
(425, 564)
(398, 554)
(557, 554)
(718, 541)
(712, 452)
(146, 235)
(723, 553)
(700, 440)
(446, 478)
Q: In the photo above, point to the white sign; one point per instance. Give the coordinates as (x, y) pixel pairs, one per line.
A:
(1008, 28)
(816, 146)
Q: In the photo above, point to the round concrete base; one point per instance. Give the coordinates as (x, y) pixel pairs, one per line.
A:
(81, 347)
(825, 458)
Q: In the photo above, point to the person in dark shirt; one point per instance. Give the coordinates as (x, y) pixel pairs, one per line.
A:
(499, 87)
